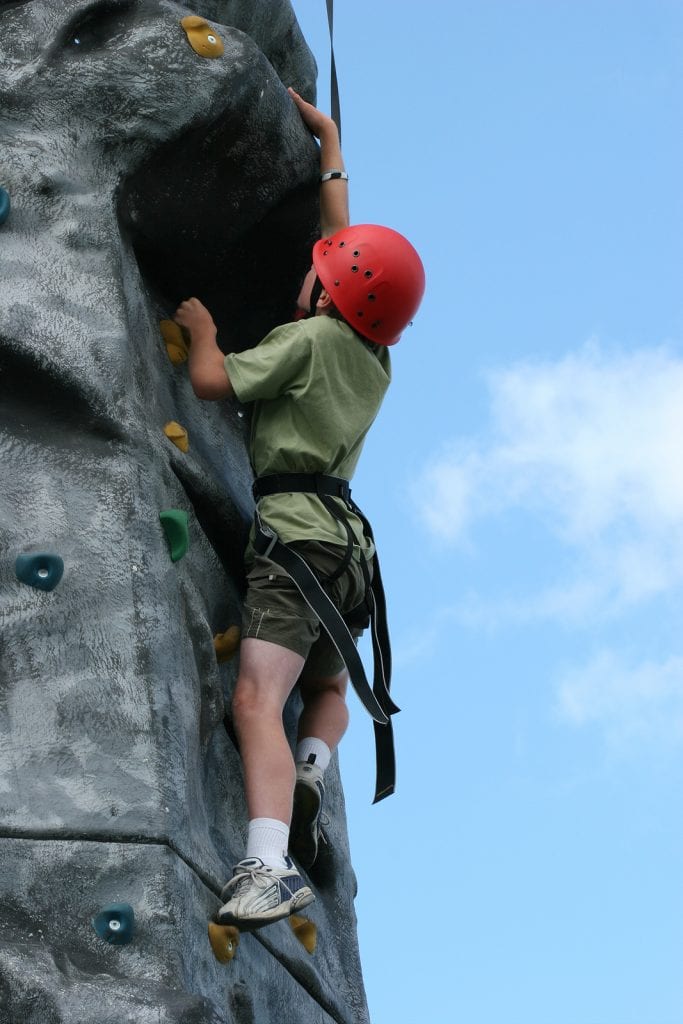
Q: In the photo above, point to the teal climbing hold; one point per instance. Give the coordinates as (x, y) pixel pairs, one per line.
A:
(174, 522)
(115, 923)
(42, 570)
(4, 205)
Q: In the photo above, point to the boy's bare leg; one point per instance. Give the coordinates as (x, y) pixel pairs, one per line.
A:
(265, 886)
(325, 714)
(267, 675)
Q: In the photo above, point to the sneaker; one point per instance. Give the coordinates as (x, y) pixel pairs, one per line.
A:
(258, 895)
(309, 794)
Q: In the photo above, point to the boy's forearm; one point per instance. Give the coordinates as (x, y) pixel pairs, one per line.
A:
(206, 365)
(206, 362)
(334, 193)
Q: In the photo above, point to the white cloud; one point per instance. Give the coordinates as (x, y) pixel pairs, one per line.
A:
(568, 603)
(628, 702)
(590, 445)
(449, 490)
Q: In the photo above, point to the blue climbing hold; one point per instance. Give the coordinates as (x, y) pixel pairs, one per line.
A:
(41, 570)
(4, 205)
(115, 923)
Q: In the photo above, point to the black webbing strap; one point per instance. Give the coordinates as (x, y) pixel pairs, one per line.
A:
(316, 292)
(350, 539)
(301, 483)
(335, 109)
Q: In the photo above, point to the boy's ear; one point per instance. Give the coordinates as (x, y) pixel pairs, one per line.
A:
(324, 300)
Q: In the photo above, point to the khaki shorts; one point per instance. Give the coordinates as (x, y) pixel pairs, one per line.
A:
(274, 609)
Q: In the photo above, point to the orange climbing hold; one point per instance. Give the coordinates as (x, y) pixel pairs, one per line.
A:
(224, 939)
(305, 931)
(203, 39)
(174, 432)
(227, 644)
(175, 341)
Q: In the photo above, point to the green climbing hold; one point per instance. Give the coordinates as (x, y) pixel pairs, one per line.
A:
(41, 569)
(174, 522)
(4, 205)
(115, 923)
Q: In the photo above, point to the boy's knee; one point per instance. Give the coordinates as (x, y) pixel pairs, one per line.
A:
(250, 699)
(315, 686)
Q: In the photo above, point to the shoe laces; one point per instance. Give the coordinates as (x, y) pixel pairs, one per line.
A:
(321, 824)
(244, 878)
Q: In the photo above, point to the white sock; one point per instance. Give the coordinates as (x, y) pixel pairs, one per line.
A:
(268, 839)
(317, 749)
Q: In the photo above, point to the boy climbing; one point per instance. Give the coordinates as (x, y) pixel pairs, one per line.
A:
(312, 578)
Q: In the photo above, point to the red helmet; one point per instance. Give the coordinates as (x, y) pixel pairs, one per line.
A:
(374, 277)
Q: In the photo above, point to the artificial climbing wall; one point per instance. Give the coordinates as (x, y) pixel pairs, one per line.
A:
(144, 157)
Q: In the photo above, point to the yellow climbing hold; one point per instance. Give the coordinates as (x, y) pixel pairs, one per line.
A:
(305, 931)
(174, 432)
(203, 39)
(226, 644)
(224, 939)
(174, 340)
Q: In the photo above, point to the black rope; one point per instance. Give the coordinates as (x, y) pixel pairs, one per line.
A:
(335, 109)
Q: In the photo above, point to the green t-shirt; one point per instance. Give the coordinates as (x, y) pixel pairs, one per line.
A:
(317, 387)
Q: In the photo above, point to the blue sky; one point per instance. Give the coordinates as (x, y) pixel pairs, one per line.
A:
(525, 481)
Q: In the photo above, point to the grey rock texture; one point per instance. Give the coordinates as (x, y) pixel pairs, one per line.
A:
(139, 173)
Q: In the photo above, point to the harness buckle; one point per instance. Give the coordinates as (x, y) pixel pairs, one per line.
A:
(271, 545)
(332, 486)
(268, 533)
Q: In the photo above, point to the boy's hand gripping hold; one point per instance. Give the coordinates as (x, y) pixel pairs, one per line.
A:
(206, 362)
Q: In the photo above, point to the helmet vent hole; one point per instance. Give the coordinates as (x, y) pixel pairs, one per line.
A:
(371, 297)
(336, 284)
(356, 253)
(342, 244)
(354, 269)
(359, 313)
(376, 324)
(368, 274)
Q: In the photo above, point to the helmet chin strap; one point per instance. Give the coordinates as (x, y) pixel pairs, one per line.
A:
(316, 292)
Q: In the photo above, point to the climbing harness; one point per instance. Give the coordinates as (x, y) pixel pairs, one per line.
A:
(376, 700)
